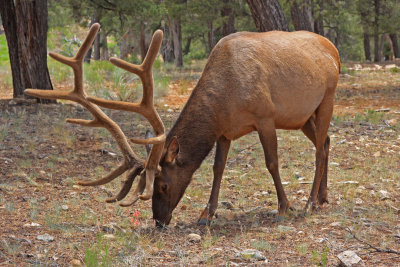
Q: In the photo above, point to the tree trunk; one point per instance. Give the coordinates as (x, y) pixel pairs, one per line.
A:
(175, 26)
(96, 46)
(211, 37)
(167, 46)
(300, 11)
(186, 50)
(395, 43)
(367, 47)
(318, 21)
(95, 18)
(377, 55)
(229, 18)
(8, 17)
(268, 15)
(32, 35)
(143, 47)
(104, 46)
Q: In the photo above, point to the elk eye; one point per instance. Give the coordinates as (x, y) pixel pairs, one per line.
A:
(164, 188)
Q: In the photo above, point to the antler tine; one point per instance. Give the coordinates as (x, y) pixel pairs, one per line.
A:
(87, 43)
(145, 108)
(131, 161)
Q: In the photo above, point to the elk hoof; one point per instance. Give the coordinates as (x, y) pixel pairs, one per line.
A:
(322, 200)
(203, 221)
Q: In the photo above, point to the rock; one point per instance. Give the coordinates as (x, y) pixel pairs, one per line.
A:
(46, 237)
(40, 256)
(194, 238)
(350, 259)
(377, 154)
(109, 236)
(64, 207)
(390, 66)
(31, 225)
(358, 201)
(228, 205)
(391, 122)
(249, 254)
(272, 213)
(384, 195)
(108, 229)
(76, 263)
(285, 229)
(334, 224)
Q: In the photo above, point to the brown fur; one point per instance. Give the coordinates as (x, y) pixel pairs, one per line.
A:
(253, 82)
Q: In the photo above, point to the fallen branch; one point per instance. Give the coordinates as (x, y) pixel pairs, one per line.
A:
(372, 247)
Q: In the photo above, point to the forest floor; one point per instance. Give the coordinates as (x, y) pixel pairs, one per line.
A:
(42, 157)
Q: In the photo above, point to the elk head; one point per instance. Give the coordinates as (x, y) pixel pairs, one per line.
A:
(132, 164)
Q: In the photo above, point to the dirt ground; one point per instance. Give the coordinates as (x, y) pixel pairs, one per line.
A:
(41, 158)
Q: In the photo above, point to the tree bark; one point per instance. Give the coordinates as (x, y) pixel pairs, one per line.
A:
(167, 46)
(104, 46)
(186, 50)
(175, 26)
(143, 46)
(377, 57)
(96, 47)
(268, 15)
(367, 47)
(318, 21)
(395, 43)
(228, 26)
(211, 36)
(8, 16)
(301, 13)
(32, 35)
(95, 18)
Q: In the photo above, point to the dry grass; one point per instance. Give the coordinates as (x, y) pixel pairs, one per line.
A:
(41, 157)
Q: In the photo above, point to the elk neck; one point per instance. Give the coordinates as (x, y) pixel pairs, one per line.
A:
(196, 130)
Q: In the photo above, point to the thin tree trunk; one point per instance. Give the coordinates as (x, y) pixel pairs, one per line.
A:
(395, 43)
(175, 27)
(32, 36)
(229, 18)
(96, 47)
(318, 21)
(95, 18)
(367, 47)
(186, 50)
(377, 56)
(268, 15)
(381, 46)
(167, 46)
(300, 11)
(143, 50)
(8, 17)
(104, 46)
(211, 36)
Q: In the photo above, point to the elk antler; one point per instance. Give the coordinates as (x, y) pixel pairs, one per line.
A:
(146, 108)
(132, 163)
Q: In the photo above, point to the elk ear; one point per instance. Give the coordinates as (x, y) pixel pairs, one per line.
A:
(148, 135)
(172, 150)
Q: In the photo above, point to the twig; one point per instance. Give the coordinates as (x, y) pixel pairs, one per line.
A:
(250, 146)
(375, 249)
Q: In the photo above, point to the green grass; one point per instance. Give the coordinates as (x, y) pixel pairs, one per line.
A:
(4, 59)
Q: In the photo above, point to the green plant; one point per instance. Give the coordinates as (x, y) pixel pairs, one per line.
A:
(98, 254)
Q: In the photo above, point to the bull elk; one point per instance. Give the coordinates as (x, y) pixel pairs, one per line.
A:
(251, 82)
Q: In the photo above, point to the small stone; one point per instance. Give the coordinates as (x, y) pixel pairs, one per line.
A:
(285, 229)
(300, 192)
(249, 254)
(350, 259)
(335, 224)
(108, 229)
(384, 195)
(109, 236)
(194, 238)
(76, 263)
(31, 225)
(228, 205)
(358, 201)
(40, 256)
(64, 207)
(46, 237)
(272, 213)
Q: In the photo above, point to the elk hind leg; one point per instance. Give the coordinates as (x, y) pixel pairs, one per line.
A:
(221, 155)
(267, 135)
(309, 130)
(322, 120)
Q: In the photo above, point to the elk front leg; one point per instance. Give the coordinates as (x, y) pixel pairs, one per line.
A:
(267, 135)
(221, 154)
